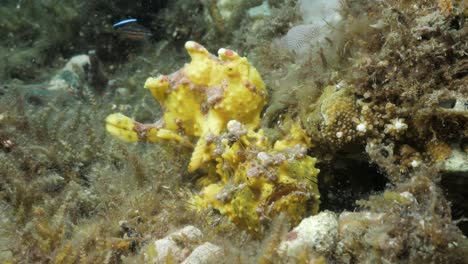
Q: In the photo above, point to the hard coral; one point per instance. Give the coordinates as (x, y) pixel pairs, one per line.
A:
(339, 117)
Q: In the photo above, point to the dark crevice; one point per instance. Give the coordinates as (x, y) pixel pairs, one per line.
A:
(455, 186)
(346, 180)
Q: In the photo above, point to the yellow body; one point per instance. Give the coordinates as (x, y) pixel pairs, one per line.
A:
(200, 99)
(241, 182)
(251, 190)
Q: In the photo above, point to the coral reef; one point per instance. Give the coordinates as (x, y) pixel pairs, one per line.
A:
(376, 90)
(381, 233)
(371, 94)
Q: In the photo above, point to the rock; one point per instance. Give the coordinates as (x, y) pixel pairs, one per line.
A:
(259, 12)
(429, 25)
(174, 247)
(71, 77)
(319, 12)
(188, 234)
(80, 71)
(204, 254)
(454, 181)
(457, 162)
(164, 248)
(316, 234)
(352, 227)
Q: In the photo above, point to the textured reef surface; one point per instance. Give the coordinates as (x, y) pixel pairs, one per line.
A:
(322, 132)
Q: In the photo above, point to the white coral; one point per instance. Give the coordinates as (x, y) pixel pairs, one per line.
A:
(317, 15)
(396, 127)
(319, 11)
(362, 127)
(300, 38)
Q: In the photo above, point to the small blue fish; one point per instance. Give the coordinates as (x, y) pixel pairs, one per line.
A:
(123, 22)
(130, 29)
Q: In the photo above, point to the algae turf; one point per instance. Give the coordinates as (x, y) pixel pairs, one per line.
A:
(400, 64)
(65, 185)
(36, 34)
(70, 193)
